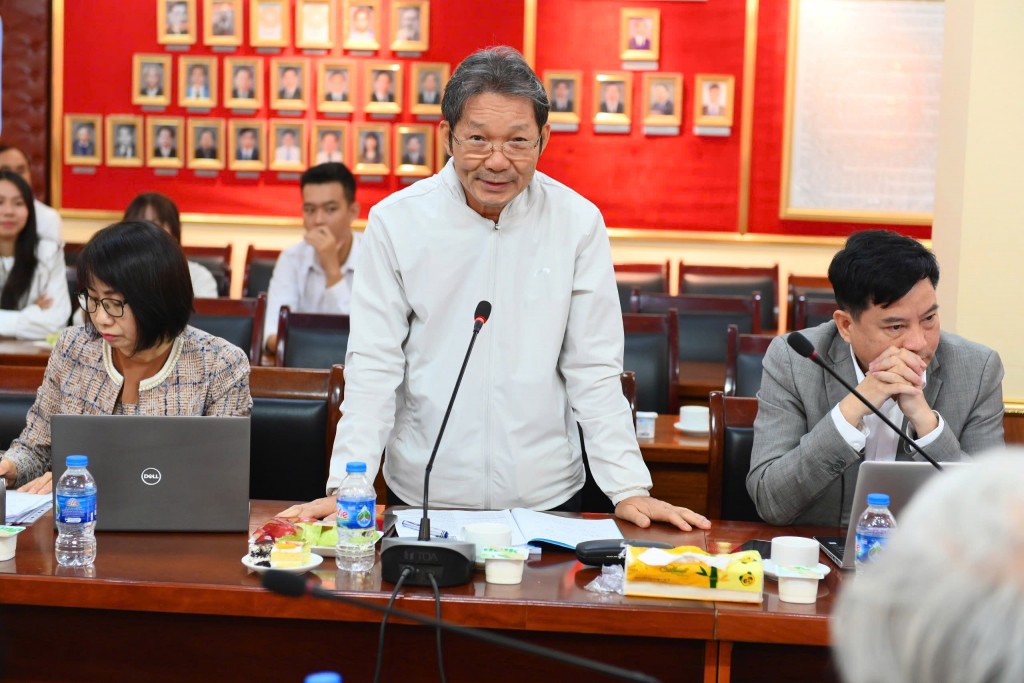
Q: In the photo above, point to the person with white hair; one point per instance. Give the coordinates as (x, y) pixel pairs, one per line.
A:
(945, 602)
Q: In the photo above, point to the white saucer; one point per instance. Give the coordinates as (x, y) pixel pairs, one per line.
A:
(769, 569)
(314, 561)
(692, 432)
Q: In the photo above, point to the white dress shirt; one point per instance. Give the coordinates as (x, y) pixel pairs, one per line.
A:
(47, 222)
(204, 285)
(50, 278)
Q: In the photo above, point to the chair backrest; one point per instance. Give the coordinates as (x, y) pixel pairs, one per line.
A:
(651, 349)
(18, 387)
(735, 281)
(743, 357)
(811, 286)
(239, 321)
(71, 252)
(703, 320)
(217, 260)
(732, 438)
(259, 266)
(813, 312)
(311, 340)
(628, 380)
(647, 277)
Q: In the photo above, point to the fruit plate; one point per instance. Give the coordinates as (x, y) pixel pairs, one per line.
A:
(328, 550)
(314, 562)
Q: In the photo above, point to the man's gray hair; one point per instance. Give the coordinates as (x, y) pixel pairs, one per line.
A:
(945, 602)
(501, 70)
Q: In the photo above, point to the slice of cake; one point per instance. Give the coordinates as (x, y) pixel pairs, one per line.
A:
(289, 554)
(260, 549)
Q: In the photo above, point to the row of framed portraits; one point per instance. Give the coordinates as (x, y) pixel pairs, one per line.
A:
(127, 140)
(661, 98)
(341, 84)
(356, 25)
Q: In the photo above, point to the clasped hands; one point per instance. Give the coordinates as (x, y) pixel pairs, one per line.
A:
(898, 374)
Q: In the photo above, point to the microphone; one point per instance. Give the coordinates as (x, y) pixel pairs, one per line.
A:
(451, 562)
(294, 586)
(805, 348)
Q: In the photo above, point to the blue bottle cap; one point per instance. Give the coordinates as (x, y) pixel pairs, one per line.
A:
(323, 677)
(355, 467)
(77, 461)
(879, 499)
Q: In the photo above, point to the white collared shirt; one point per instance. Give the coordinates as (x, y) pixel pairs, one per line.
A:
(50, 278)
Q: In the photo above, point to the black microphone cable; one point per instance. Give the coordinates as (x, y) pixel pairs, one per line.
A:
(384, 622)
(437, 627)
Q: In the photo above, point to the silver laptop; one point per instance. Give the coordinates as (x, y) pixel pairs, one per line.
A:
(900, 479)
(160, 473)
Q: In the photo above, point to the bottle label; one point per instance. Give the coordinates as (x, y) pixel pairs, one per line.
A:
(76, 509)
(870, 545)
(356, 514)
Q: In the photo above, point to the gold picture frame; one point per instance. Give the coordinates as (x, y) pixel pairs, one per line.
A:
(270, 23)
(322, 152)
(83, 139)
(222, 22)
(410, 25)
(201, 132)
(662, 98)
(163, 151)
(334, 81)
(287, 145)
(361, 25)
(124, 140)
(176, 22)
(613, 97)
(237, 152)
(414, 150)
(151, 80)
(315, 22)
(372, 160)
(639, 34)
(235, 97)
(289, 84)
(419, 94)
(564, 90)
(190, 91)
(713, 98)
(378, 99)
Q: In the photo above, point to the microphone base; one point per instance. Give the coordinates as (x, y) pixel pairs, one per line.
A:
(450, 562)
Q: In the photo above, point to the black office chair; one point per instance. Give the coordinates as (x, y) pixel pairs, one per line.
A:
(259, 267)
(215, 259)
(651, 349)
(812, 287)
(732, 439)
(743, 358)
(311, 340)
(735, 281)
(647, 277)
(239, 321)
(813, 312)
(18, 386)
(703, 320)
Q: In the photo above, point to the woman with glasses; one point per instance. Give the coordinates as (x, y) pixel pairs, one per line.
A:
(136, 354)
(34, 299)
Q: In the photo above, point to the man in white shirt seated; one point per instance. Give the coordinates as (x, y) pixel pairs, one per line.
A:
(47, 219)
(315, 275)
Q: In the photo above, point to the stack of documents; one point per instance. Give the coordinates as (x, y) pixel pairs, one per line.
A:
(25, 508)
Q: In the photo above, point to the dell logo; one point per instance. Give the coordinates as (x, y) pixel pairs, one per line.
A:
(151, 476)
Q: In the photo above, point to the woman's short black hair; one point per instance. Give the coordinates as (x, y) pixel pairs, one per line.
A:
(165, 210)
(148, 268)
(19, 280)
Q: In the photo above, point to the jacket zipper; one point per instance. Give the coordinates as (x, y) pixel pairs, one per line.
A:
(488, 451)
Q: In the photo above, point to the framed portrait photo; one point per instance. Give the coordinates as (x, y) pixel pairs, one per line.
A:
(410, 25)
(334, 80)
(176, 22)
(361, 30)
(383, 88)
(564, 95)
(639, 35)
(206, 144)
(414, 150)
(663, 99)
(270, 23)
(222, 22)
(165, 136)
(372, 149)
(197, 81)
(151, 80)
(124, 140)
(426, 87)
(287, 145)
(613, 97)
(443, 154)
(243, 83)
(83, 139)
(314, 24)
(329, 143)
(713, 96)
(289, 84)
(246, 145)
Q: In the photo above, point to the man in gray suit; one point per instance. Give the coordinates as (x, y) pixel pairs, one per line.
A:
(811, 434)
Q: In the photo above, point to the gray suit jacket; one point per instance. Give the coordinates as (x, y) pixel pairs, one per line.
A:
(802, 471)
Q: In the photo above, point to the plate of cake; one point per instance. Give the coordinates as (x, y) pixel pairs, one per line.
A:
(285, 545)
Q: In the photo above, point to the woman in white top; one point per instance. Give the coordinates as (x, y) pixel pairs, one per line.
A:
(34, 300)
(160, 210)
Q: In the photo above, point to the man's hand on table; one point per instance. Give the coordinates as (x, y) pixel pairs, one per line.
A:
(320, 508)
(642, 510)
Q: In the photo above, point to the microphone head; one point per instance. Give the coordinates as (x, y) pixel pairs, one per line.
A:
(284, 583)
(483, 312)
(801, 345)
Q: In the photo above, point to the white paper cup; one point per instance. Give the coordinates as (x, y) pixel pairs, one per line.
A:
(645, 425)
(802, 591)
(9, 541)
(695, 418)
(504, 565)
(486, 534)
(794, 551)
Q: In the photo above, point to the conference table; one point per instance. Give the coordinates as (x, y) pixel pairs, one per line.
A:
(182, 607)
(22, 352)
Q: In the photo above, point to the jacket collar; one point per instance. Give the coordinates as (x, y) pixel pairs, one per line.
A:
(519, 205)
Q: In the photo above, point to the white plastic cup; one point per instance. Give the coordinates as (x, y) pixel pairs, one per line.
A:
(794, 551)
(645, 425)
(798, 590)
(695, 419)
(504, 565)
(486, 534)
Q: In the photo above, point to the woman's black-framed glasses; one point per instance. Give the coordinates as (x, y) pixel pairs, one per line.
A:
(90, 304)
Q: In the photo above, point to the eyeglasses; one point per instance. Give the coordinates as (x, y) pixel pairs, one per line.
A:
(477, 147)
(90, 304)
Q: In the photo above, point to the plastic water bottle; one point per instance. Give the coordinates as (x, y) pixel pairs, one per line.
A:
(76, 514)
(874, 528)
(357, 520)
(323, 677)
